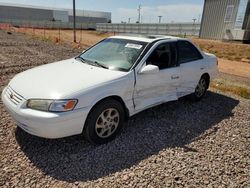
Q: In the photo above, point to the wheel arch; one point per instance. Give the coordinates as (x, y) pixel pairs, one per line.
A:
(117, 98)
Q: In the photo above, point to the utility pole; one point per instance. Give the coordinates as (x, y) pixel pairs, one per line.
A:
(129, 20)
(139, 14)
(74, 19)
(160, 19)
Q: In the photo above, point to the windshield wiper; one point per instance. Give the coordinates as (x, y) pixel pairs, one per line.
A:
(101, 65)
(94, 63)
(81, 59)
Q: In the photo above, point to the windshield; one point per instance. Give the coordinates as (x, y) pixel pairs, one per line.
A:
(116, 54)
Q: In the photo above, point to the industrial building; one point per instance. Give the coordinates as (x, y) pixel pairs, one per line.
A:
(226, 19)
(43, 16)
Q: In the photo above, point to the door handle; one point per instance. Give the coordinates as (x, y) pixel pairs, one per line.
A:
(174, 77)
(202, 68)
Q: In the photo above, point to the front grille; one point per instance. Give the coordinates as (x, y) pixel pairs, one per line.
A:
(13, 96)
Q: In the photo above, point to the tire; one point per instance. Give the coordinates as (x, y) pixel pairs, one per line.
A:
(104, 121)
(200, 89)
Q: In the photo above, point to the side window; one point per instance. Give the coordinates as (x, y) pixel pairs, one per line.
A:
(164, 56)
(187, 52)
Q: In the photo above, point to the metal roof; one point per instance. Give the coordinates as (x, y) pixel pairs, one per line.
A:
(79, 12)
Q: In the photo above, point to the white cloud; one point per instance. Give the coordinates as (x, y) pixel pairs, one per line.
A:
(176, 13)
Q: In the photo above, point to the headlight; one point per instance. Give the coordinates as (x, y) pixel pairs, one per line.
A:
(38, 104)
(52, 105)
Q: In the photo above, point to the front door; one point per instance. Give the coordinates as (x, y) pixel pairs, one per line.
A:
(158, 87)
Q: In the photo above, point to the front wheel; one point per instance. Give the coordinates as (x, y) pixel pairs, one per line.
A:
(104, 121)
(200, 89)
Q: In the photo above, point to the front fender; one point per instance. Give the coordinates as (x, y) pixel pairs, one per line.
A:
(122, 88)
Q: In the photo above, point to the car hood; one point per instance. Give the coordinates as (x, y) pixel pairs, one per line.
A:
(61, 79)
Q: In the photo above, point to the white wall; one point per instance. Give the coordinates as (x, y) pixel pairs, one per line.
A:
(154, 29)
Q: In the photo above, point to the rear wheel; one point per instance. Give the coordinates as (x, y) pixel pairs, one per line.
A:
(104, 121)
(200, 89)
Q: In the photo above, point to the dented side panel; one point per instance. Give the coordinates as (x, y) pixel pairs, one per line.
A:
(157, 88)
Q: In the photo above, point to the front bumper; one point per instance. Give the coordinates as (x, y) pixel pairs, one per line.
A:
(46, 124)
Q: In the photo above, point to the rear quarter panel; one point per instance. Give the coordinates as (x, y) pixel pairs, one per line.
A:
(211, 63)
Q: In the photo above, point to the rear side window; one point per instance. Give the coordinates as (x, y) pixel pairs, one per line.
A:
(187, 52)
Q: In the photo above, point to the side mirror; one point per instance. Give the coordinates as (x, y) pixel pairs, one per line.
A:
(149, 69)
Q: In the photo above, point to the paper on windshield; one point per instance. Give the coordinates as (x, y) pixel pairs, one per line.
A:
(136, 46)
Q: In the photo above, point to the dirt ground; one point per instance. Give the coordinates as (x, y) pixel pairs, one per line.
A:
(234, 58)
(177, 144)
(234, 68)
(84, 38)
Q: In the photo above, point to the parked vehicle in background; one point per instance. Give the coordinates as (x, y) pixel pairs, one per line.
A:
(93, 93)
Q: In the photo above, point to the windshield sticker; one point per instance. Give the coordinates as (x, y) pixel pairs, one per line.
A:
(136, 46)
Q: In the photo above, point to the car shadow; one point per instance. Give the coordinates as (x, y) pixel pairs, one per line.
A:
(174, 124)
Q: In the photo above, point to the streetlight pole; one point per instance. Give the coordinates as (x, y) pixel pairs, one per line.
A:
(160, 19)
(194, 27)
(74, 19)
(199, 18)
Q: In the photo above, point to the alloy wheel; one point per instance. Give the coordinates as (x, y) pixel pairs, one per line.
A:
(201, 88)
(107, 122)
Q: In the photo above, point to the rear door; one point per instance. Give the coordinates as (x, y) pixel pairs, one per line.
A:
(159, 87)
(191, 65)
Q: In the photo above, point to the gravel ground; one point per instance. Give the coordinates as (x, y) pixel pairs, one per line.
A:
(178, 144)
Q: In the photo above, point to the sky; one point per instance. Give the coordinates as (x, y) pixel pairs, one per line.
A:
(122, 10)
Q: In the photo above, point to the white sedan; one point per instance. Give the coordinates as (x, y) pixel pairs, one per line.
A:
(93, 93)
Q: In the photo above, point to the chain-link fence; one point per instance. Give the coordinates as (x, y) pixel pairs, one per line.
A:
(56, 32)
(48, 24)
(60, 31)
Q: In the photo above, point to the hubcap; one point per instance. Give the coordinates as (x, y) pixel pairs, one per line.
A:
(201, 87)
(107, 122)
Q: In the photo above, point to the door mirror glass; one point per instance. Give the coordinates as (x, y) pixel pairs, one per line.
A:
(149, 69)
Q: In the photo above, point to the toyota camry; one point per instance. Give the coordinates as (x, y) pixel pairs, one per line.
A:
(94, 93)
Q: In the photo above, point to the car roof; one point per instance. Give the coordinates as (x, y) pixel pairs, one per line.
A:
(146, 38)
